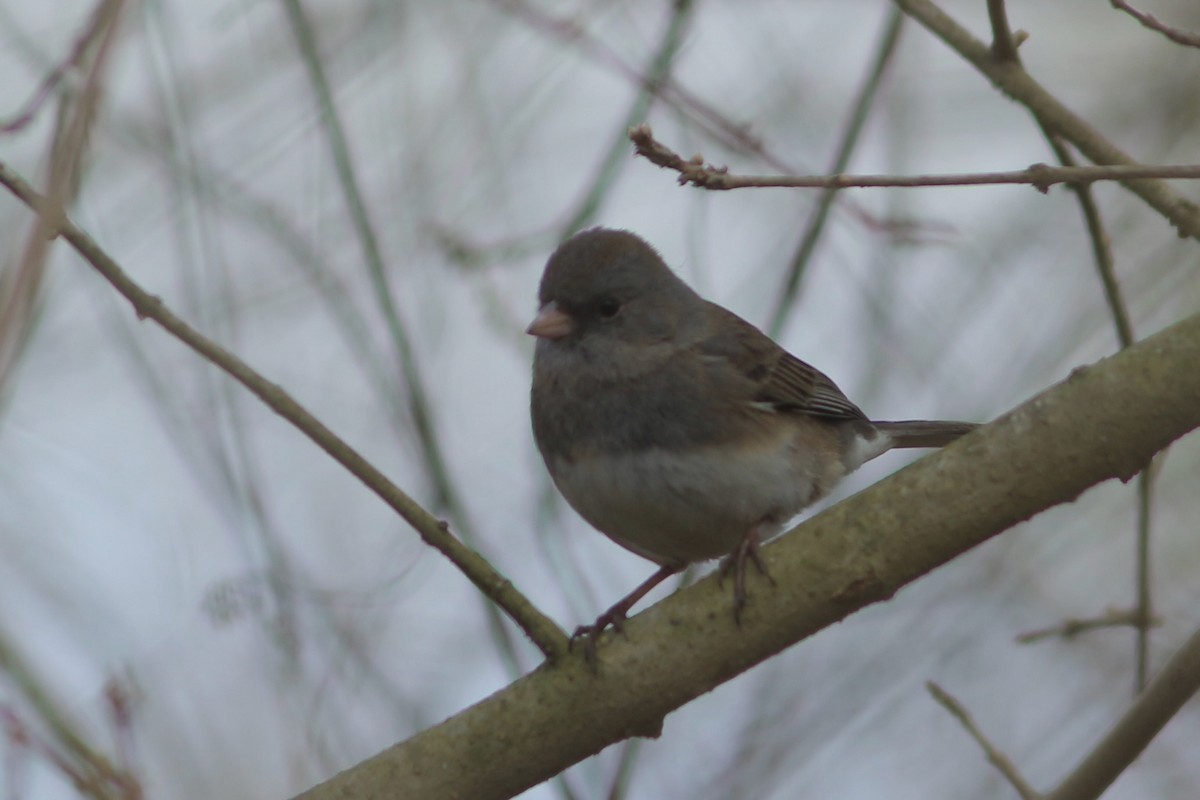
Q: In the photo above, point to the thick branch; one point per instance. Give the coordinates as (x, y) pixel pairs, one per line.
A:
(1102, 422)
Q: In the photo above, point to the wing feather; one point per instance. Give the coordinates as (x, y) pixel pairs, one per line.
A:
(771, 375)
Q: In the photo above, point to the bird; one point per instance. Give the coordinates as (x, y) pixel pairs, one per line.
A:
(676, 428)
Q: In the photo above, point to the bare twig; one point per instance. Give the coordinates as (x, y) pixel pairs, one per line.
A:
(1071, 627)
(1162, 699)
(1000, 761)
(695, 171)
(549, 638)
(1150, 21)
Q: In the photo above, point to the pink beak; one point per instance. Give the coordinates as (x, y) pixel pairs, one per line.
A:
(550, 323)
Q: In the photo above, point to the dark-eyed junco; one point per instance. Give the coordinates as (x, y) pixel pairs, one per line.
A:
(675, 427)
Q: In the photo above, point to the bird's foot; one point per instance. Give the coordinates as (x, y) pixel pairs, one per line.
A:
(615, 616)
(735, 562)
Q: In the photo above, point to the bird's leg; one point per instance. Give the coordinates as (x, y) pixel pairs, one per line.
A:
(735, 562)
(615, 616)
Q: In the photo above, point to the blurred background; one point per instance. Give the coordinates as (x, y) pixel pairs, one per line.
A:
(358, 199)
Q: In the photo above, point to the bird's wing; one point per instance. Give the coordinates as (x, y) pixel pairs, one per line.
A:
(768, 373)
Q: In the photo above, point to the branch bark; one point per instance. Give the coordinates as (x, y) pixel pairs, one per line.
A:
(1104, 421)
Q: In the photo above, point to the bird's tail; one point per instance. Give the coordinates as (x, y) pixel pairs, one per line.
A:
(923, 432)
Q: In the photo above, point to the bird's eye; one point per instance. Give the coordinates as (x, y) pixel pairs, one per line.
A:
(608, 307)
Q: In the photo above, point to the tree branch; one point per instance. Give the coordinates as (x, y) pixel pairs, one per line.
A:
(695, 171)
(858, 552)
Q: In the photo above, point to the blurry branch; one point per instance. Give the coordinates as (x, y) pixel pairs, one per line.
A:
(544, 633)
(656, 75)
(1011, 78)
(1070, 628)
(1148, 20)
(1000, 761)
(619, 787)
(102, 19)
(697, 172)
(711, 121)
(858, 552)
(352, 194)
(92, 773)
(210, 185)
(215, 445)
(885, 50)
(19, 288)
(446, 497)
(736, 136)
(1162, 699)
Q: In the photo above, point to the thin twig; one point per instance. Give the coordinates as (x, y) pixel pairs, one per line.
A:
(697, 172)
(1000, 761)
(1150, 21)
(548, 637)
(1162, 699)
(885, 50)
(1071, 627)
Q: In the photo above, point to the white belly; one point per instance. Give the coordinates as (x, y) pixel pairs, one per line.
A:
(675, 509)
